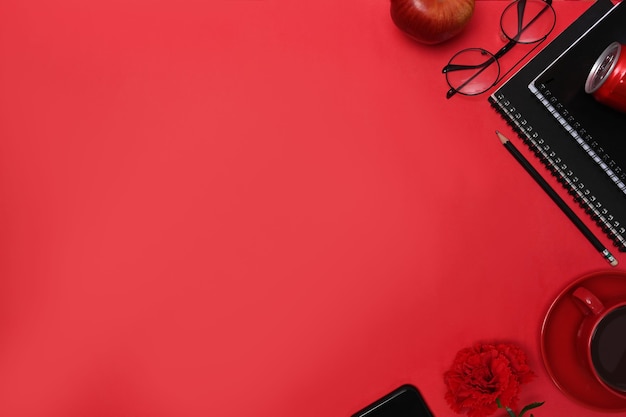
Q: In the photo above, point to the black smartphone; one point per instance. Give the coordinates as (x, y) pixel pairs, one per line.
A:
(405, 401)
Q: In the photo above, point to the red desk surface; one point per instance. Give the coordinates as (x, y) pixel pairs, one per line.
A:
(267, 208)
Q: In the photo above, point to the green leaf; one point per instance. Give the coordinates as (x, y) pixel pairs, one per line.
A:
(499, 403)
(530, 407)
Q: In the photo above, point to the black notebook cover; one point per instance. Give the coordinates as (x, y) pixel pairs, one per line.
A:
(598, 129)
(581, 176)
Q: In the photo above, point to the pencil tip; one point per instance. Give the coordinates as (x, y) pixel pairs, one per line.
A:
(503, 138)
(614, 262)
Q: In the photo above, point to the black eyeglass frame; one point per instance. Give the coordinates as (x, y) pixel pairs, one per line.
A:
(493, 58)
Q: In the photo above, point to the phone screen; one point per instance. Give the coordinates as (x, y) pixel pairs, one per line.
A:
(405, 401)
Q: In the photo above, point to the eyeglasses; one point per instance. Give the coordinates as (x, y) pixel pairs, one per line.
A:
(473, 71)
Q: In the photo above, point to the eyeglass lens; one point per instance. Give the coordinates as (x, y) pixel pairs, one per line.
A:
(536, 23)
(483, 69)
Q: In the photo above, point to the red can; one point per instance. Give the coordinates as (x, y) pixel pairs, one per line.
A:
(607, 79)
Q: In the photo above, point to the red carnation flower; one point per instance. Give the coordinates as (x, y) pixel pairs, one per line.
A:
(485, 377)
(518, 362)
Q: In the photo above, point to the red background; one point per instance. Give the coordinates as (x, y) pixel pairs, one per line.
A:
(257, 207)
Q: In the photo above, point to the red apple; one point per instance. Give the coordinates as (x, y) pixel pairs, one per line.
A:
(431, 21)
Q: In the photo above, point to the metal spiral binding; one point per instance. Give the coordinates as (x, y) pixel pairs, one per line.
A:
(614, 230)
(574, 129)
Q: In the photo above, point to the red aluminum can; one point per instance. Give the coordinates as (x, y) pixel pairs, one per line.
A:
(607, 79)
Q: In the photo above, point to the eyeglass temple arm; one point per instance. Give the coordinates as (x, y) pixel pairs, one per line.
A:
(489, 61)
(521, 5)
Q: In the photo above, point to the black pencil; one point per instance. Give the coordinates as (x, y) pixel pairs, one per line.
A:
(557, 199)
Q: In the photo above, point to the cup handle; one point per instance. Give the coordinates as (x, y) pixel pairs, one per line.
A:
(591, 303)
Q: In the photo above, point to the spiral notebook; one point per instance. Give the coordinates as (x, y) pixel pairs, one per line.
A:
(598, 129)
(541, 126)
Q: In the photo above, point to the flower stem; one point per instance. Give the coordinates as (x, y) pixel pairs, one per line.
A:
(527, 408)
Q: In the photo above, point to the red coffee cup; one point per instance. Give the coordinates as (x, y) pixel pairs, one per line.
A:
(601, 340)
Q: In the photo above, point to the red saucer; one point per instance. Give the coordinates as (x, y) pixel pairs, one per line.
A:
(558, 342)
